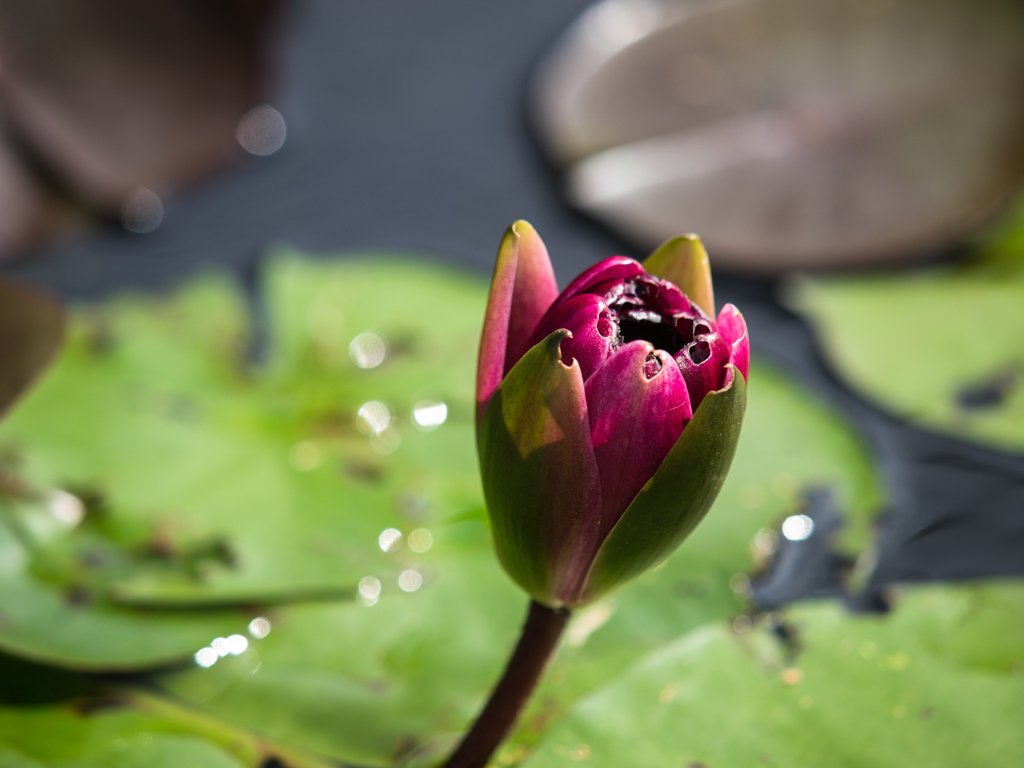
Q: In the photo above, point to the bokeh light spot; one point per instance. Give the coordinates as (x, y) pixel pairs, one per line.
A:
(142, 211)
(410, 581)
(420, 540)
(797, 527)
(390, 539)
(367, 350)
(428, 415)
(262, 130)
(259, 627)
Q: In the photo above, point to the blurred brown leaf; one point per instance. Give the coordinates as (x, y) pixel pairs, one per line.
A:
(101, 97)
(31, 331)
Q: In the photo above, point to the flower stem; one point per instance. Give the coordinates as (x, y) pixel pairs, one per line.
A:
(536, 646)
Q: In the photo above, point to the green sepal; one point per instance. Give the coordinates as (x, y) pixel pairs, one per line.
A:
(677, 497)
(539, 473)
(684, 261)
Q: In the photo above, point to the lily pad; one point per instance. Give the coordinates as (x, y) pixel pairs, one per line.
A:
(202, 480)
(207, 479)
(373, 683)
(942, 347)
(862, 690)
(130, 730)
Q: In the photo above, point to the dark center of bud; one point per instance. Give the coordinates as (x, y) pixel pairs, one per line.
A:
(640, 313)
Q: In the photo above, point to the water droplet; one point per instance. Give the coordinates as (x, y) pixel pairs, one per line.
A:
(420, 540)
(410, 581)
(373, 417)
(259, 627)
(236, 644)
(206, 657)
(797, 527)
(142, 211)
(428, 415)
(367, 350)
(66, 507)
(369, 588)
(390, 539)
(221, 646)
(262, 130)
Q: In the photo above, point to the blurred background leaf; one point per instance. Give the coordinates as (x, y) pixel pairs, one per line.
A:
(941, 347)
(850, 690)
(218, 463)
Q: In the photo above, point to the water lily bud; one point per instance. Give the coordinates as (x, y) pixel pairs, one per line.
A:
(607, 415)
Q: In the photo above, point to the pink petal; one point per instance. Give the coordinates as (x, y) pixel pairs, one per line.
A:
(612, 268)
(733, 329)
(636, 416)
(592, 328)
(522, 289)
(702, 363)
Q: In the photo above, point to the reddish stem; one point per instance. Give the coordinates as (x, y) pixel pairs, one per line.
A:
(536, 646)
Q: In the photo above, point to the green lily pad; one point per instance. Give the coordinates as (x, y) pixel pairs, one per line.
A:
(130, 730)
(208, 481)
(863, 690)
(46, 623)
(941, 347)
(219, 483)
(371, 684)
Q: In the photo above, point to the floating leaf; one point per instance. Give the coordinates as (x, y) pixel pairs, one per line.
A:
(205, 479)
(942, 347)
(370, 684)
(863, 690)
(123, 730)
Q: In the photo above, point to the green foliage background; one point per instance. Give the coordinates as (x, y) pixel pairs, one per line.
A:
(218, 489)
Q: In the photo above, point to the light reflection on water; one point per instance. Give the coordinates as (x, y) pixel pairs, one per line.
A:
(428, 415)
(420, 540)
(369, 591)
(367, 350)
(262, 130)
(797, 527)
(66, 508)
(373, 417)
(410, 581)
(390, 539)
(223, 646)
(142, 211)
(259, 627)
